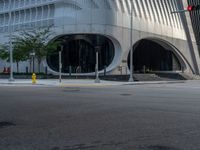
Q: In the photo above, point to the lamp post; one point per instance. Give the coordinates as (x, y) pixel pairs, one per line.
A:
(32, 55)
(11, 79)
(60, 64)
(131, 45)
(97, 80)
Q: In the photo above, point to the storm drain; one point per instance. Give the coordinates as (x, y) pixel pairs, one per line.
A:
(125, 94)
(71, 90)
(158, 147)
(6, 124)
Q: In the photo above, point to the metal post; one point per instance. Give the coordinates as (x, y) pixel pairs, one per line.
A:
(26, 70)
(32, 56)
(97, 80)
(131, 46)
(105, 70)
(11, 79)
(60, 66)
(70, 71)
(46, 72)
(33, 63)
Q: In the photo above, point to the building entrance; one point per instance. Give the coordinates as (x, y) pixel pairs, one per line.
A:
(150, 56)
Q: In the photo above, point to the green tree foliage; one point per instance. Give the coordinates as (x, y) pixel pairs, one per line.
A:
(27, 42)
(18, 53)
(4, 54)
(36, 41)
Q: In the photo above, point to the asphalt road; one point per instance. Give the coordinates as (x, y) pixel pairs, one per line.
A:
(131, 117)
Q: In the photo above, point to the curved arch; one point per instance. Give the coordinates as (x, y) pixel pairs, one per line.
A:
(82, 37)
(75, 5)
(167, 46)
(78, 50)
(117, 52)
(175, 50)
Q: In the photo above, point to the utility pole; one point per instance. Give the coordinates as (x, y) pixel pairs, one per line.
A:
(32, 55)
(60, 64)
(97, 80)
(131, 45)
(11, 79)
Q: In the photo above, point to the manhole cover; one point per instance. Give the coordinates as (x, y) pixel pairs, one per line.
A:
(6, 124)
(158, 147)
(71, 90)
(125, 94)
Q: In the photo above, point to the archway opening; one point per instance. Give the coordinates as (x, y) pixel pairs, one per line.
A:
(151, 56)
(79, 55)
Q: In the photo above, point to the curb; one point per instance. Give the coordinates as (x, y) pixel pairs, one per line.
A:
(160, 82)
(88, 84)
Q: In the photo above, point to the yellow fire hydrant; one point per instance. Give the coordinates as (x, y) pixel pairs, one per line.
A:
(34, 77)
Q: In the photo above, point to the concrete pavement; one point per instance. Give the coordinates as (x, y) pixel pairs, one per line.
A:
(144, 117)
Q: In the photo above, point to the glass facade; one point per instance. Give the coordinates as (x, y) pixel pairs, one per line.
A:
(79, 56)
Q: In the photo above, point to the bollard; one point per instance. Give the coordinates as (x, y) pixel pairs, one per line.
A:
(4, 70)
(8, 70)
(46, 72)
(70, 71)
(34, 78)
(26, 70)
(105, 70)
(144, 69)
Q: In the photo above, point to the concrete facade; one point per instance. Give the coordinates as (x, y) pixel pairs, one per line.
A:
(152, 20)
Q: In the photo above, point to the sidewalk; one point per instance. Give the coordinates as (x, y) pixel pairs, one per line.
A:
(76, 82)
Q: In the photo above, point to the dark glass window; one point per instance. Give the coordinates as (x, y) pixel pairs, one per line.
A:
(79, 54)
(153, 57)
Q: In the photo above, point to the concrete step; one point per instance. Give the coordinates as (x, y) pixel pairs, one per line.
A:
(171, 76)
(147, 77)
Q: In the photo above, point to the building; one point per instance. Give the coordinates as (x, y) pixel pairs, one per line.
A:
(162, 41)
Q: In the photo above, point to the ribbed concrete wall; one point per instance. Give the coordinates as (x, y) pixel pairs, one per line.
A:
(111, 18)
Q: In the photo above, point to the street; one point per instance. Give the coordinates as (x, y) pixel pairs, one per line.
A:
(125, 117)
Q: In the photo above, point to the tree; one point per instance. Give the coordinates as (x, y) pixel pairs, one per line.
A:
(36, 41)
(19, 54)
(4, 54)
